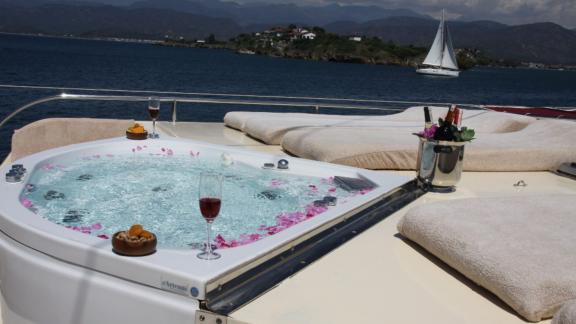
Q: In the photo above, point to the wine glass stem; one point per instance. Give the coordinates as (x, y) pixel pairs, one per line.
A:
(208, 243)
(154, 127)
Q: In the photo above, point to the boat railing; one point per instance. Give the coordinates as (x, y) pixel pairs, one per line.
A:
(315, 104)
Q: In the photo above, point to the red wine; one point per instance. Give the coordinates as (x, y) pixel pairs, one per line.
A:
(444, 132)
(153, 113)
(457, 117)
(210, 207)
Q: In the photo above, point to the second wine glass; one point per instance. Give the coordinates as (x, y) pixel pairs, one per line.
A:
(210, 199)
(154, 112)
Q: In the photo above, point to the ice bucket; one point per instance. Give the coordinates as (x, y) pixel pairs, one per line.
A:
(439, 164)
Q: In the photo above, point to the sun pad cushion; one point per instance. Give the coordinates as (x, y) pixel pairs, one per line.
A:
(519, 248)
(271, 127)
(534, 145)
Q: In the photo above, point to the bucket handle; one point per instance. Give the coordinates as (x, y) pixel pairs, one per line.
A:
(443, 149)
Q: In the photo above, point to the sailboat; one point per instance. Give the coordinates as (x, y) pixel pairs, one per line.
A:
(441, 59)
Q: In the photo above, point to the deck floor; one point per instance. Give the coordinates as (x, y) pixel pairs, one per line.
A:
(377, 277)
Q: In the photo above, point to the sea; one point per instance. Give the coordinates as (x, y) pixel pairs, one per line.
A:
(93, 64)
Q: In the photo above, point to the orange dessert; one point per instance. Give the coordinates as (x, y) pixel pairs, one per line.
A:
(134, 242)
(136, 129)
(136, 132)
(135, 230)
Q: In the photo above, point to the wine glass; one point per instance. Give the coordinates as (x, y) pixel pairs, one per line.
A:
(153, 111)
(210, 198)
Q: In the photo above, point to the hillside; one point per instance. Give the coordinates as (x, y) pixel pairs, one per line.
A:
(289, 42)
(542, 42)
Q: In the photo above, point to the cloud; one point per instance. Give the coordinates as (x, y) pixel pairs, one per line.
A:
(514, 12)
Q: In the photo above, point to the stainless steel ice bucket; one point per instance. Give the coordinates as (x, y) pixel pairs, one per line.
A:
(439, 164)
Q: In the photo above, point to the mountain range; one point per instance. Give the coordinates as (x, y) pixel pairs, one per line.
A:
(262, 13)
(156, 19)
(112, 21)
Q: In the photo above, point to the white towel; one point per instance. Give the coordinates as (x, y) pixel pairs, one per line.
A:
(523, 249)
(566, 314)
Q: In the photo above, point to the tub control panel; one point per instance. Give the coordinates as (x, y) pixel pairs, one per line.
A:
(281, 165)
(16, 173)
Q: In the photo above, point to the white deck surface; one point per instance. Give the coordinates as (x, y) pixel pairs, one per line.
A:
(377, 277)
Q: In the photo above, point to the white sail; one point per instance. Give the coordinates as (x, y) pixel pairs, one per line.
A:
(434, 57)
(448, 58)
(441, 53)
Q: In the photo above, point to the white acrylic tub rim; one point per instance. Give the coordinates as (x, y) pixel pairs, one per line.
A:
(179, 271)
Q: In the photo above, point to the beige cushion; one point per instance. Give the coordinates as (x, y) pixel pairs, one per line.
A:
(238, 119)
(54, 132)
(270, 128)
(519, 248)
(370, 148)
(566, 314)
(272, 131)
(537, 145)
(280, 123)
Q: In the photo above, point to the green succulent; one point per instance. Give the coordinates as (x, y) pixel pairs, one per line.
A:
(464, 134)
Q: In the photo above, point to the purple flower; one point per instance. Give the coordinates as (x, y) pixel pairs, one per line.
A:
(283, 221)
(428, 133)
(26, 202)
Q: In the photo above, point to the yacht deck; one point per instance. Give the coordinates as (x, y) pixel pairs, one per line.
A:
(378, 277)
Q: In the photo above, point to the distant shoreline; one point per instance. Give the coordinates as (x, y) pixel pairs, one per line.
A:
(101, 39)
(224, 46)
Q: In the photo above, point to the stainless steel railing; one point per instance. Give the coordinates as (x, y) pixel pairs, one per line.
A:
(222, 95)
(175, 100)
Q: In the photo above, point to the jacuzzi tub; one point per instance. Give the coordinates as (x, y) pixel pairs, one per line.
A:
(51, 274)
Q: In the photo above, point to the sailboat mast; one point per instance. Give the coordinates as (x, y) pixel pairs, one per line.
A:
(443, 40)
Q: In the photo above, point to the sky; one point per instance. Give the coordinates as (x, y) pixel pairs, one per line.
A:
(513, 12)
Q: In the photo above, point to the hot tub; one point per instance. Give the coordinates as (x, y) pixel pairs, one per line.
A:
(57, 265)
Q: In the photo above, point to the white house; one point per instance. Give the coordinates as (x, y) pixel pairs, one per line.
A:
(308, 35)
(355, 38)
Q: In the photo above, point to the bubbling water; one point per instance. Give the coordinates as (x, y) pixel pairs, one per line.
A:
(102, 194)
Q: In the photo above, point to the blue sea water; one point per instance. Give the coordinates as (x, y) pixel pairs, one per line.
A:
(44, 61)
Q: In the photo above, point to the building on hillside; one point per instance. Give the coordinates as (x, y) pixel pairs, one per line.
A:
(355, 38)
(308, 35)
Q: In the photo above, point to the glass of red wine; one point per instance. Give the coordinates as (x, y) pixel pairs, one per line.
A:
(154, 112)
(210, 198)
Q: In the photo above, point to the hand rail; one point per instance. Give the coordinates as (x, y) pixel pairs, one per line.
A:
(175, 100)
(227, 95)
